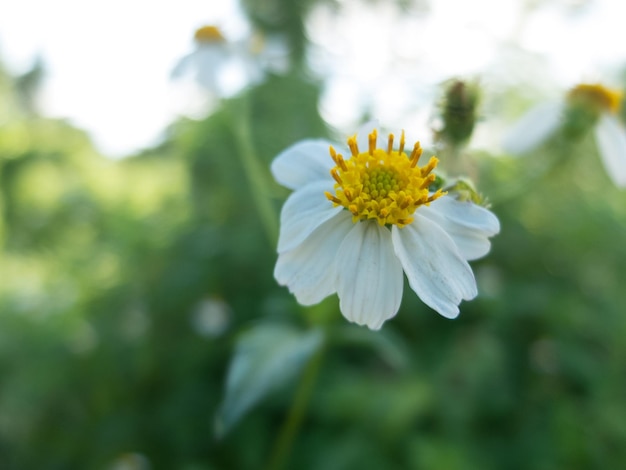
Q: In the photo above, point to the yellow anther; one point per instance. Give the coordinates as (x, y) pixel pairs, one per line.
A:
(428, 181)
(338, 159)
(354, 147)
(332, 198)
(372, 141)
(390, 144)
(432, 163)
(437, 195)
(336, 176)
(333, 153)
(401, 149)
(415, 154)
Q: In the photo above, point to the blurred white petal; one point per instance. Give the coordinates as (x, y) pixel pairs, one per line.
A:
(533, 128)
(611, 139)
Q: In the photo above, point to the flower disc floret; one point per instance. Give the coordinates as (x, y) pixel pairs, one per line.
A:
(385, 185)
(596, 96)
(209, 34)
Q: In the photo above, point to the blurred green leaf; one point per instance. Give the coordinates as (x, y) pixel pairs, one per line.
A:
(388, 345)
(266, 358)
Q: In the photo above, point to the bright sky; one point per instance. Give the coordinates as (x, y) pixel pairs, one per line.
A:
(109, 62)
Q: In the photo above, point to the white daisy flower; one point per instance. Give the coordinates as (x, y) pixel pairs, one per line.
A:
(224, 67)
(205, 62)
(352, 227)
(600, 105)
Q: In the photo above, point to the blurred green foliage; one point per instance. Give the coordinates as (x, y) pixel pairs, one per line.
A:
(109, 357)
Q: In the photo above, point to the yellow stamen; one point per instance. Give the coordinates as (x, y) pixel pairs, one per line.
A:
(597, 96)
(338, 159)
(432, 163)
(372, 141)
(332, 198)
(401, 149)
(336, 176)
(209, 34)
(382, 184)
(428, 181)
(354, 147)
(416, 154)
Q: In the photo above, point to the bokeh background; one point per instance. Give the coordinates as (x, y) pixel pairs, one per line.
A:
(140, 324)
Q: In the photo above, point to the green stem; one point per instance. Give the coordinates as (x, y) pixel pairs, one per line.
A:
(533, 177)
(256, 173)
(291, 426)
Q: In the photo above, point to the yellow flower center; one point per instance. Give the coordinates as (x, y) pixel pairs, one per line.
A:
(208, 34)
(597, 96)
(386, 185)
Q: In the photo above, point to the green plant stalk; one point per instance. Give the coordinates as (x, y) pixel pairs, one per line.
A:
(258, 178)
(256, 174)
(291, 426)
(540, 172)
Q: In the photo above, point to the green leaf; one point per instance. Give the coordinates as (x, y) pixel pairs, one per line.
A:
(390, 347)
(266, 358)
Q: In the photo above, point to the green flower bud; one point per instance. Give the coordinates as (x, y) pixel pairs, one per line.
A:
(459, 112)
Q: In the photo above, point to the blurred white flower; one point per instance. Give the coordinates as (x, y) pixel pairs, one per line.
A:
(600, 106)
(211, 317)
(223, 67)
(353, 226)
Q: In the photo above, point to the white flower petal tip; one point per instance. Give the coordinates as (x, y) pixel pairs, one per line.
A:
(533, 128)
(469, 225)
(304, 162)
(370, 283)
(304, 211)
(309, 270)
(611, 140)
(436, 270)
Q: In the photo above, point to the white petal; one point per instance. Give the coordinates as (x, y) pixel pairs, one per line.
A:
(208, 63)
(468, 224)
(369, 276)
(304, 211)
(436, 271)
(309, 270)
(533, 128)
(302, 163)
(275, 54)
(181, 66)
(611, 139)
